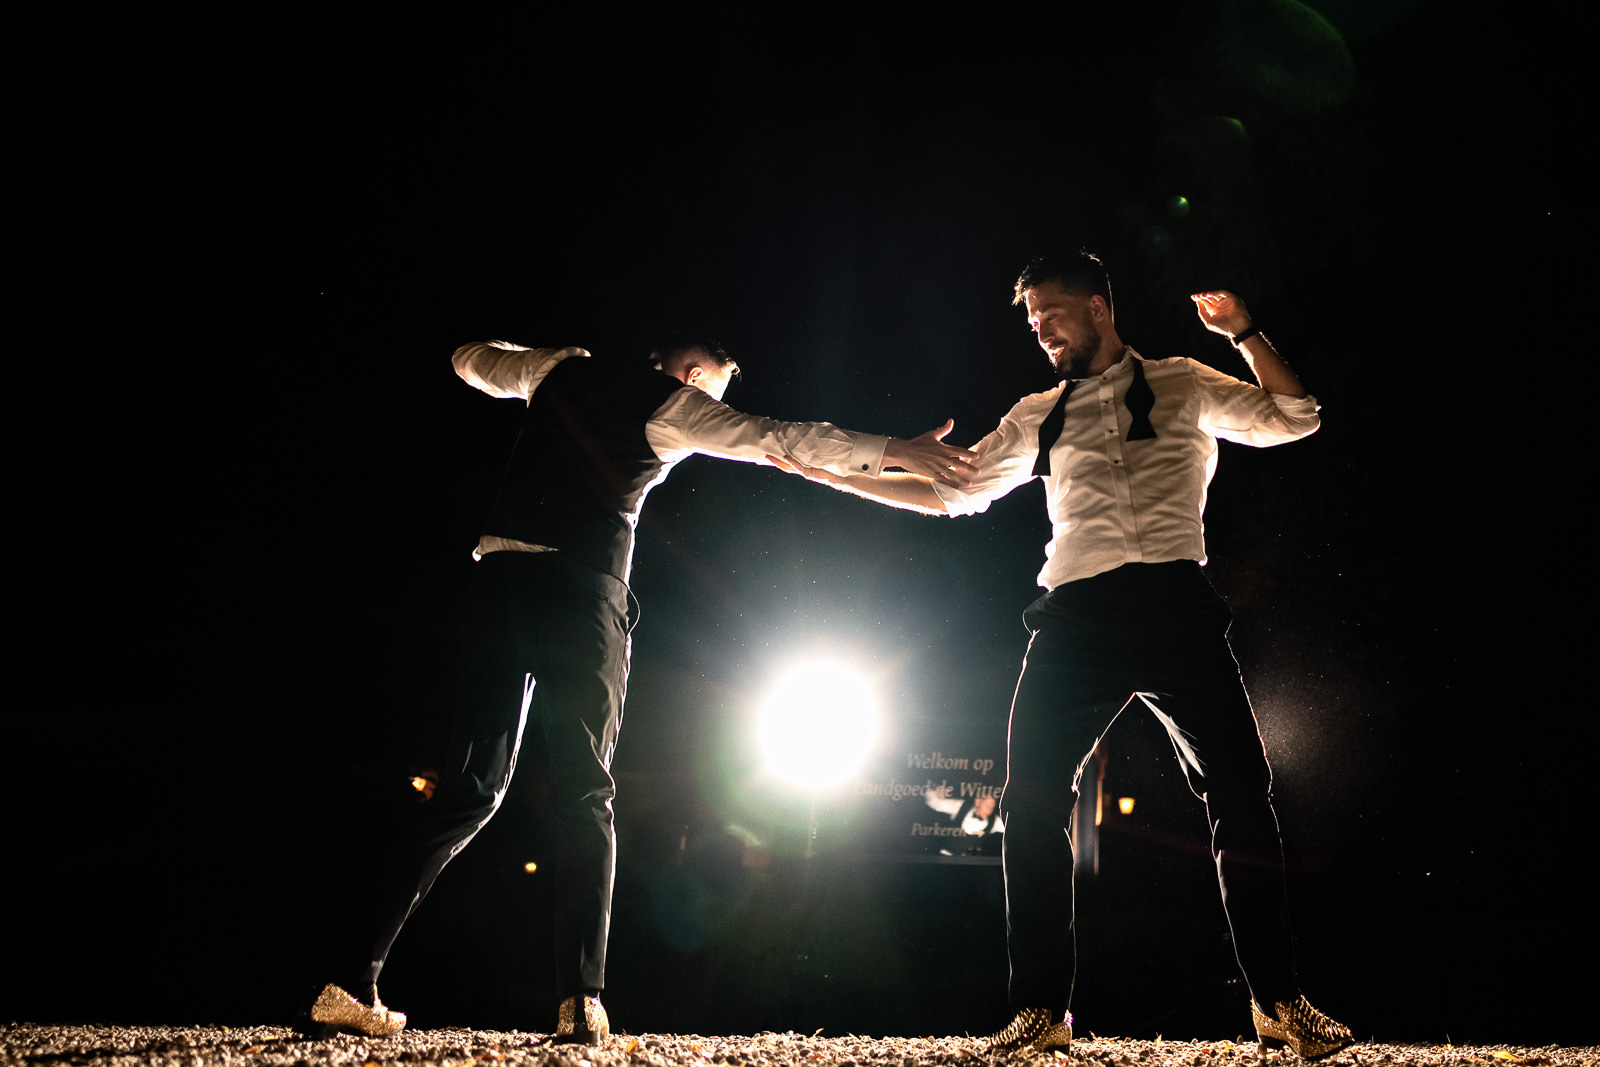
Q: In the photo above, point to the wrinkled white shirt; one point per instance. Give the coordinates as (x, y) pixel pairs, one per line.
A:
(689, 421)
(1112, 501)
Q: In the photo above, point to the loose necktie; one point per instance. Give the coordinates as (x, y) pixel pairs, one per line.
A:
(1140, 400)
(1050, 429)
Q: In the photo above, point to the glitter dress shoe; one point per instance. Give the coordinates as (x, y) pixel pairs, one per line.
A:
(1303, 1028)
(337, 1012)
(1035, 1028)
(582, 1021)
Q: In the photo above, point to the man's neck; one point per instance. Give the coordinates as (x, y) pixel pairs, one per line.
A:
(1110, 354)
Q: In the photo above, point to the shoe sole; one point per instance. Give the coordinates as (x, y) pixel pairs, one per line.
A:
(1270, 1044)
(578, 1039)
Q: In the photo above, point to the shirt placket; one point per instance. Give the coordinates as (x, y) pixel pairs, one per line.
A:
(1117, 467)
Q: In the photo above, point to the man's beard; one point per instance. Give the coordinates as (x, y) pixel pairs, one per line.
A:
(1077, 359)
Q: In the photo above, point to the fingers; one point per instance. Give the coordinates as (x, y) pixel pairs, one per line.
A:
(944, 463)
(1221, 311)
(928, 456)
(1218, 302)
(955, 479)
(946, 466)
(947, 455)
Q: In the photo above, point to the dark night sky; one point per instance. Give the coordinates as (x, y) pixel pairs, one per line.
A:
(250, 247)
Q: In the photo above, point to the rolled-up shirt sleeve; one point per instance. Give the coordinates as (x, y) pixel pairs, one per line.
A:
(1249, 415)
(505, 370)
(1005, 458)
(691, 421)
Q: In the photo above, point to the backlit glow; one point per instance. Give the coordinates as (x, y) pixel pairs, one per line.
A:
(818, 725)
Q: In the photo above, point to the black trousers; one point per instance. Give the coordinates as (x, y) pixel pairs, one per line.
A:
(1161, 631)
(545, 646)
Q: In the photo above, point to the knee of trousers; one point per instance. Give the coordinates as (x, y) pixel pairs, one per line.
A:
(583, 807)
(463, 800)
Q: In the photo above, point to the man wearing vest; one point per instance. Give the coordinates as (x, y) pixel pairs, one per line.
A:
(546, 630)
(1126, 447)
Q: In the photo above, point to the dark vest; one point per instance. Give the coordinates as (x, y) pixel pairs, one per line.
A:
(581, 466)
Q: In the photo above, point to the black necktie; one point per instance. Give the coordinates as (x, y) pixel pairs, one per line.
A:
(1139, 400)
(1050, 429)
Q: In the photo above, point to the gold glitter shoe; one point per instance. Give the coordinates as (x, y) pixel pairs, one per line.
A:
(335, 1012)
(591, 1029)
(1303, 1028)
(1034, 1028)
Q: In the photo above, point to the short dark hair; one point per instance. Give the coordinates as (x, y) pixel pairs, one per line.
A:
(677, 353)
(1080, 273)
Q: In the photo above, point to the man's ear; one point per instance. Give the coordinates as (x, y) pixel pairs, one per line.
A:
(694, 376)
(1097, 307)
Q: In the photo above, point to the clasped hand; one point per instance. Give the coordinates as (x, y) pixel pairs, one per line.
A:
(925, 455)
(928, 455)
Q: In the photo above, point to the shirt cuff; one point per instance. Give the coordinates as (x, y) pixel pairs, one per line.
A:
(866, 455)
(1298, 407)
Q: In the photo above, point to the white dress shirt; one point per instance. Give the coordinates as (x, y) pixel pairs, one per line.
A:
(1112, 501)
(689, 421)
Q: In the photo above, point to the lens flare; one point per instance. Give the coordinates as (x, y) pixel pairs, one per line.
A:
(818, 725)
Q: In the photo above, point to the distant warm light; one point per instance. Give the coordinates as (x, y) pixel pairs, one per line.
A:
(530, 867)
(1125, 805)
(425, 783)
(818, 725)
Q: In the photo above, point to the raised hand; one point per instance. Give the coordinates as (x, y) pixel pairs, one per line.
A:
(1222, 312)
(928, 455)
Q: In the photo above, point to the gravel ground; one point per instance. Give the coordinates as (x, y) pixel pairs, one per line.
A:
(273, 1046)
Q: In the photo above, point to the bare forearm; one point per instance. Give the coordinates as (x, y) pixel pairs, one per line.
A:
(910, 492)
(1224, 313)
(1271, 372)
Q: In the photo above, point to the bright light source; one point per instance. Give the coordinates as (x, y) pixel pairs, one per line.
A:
(818, 725)
(1125, 805)
(531, 867)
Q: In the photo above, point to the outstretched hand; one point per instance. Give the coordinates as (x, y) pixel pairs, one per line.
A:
(1222, 312)
(928, 455)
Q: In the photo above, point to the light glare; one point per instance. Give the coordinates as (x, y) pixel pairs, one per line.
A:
(818, 725)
